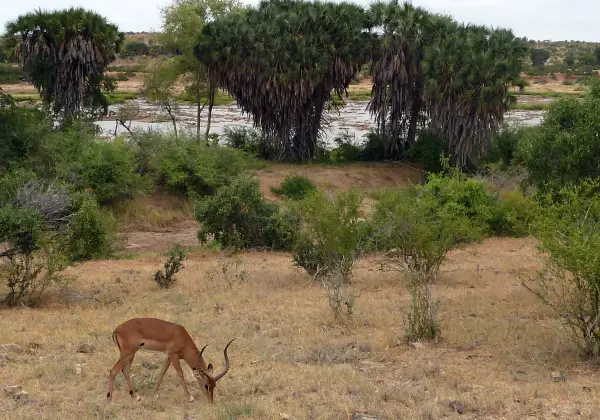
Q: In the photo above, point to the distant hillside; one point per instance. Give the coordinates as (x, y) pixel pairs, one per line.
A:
(560, 49)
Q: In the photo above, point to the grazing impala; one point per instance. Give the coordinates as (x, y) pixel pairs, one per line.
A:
(166, 337)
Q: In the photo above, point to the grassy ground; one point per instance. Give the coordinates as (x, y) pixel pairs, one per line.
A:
(498, 349)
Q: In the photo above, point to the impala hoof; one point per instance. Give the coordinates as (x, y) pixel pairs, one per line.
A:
(191, 398)
(138, 398)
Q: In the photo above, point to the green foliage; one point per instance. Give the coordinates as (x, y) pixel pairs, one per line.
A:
(565, 148)
(294, 187)
(570, 284)
(89, 232)
(165, 278)
(416, 235)
(248, 140)
(284, 80)
(237, 216)
(136, 48)
(186, 166)
(109, 169)
(539, 56)
(516, 214)
(9, 74)
(65, 54)
(22, 132)
(456, 196)
(505, 145)
(588, 60)
(331, 240)
(444, 65)
(570, 59)
(428, 149)
(333, 233)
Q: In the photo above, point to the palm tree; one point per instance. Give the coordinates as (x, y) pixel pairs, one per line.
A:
(282, 60)
(429, 70)
(65, 54)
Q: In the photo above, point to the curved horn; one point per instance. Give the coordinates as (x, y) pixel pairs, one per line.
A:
(202, 371)
(220, 375)
(202, 351)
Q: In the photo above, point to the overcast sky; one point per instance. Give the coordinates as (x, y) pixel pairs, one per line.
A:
(536, 19)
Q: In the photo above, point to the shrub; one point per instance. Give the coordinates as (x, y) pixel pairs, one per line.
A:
(29, 222)
(294, 187)
(330, 242)
(569, 231)
(250, 141)
(172, 266)
(186, 166)
(428, 149)
(110, 170)
(564, 150)
(122, 77)
(416, 239)
(455, 195)
(347, 150)
(238, 216)
(135, 48)
(568, 82)
(22, 133)
(89, 231)
(10, 74)
(503, 148)
(516, 214)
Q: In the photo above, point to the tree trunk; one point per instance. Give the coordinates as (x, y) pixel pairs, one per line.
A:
(172, 116)
(211, 102)
(198, 109)
(414, 115)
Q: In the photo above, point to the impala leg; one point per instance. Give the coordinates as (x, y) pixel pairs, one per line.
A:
(162, 374)
(113, 372)
(175, 360)
(127, 374)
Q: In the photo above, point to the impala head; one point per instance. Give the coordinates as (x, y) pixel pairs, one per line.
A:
(205, 378)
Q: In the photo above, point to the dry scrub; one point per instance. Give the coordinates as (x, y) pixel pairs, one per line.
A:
(498, 348)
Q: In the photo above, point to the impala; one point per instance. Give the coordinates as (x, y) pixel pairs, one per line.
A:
(158, 335)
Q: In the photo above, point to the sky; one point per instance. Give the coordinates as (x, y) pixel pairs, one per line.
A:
(535, 19)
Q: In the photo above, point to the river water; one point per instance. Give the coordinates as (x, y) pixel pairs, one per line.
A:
(353, 119)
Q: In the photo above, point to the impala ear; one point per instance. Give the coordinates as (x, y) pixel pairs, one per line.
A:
(210, 368)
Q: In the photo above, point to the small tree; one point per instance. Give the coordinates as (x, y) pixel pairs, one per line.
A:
(331, 241)
(570, 59)
(597, 54)
(569, 232)
(539, 56)
(174, 264)
(159, 87)
(416, 239)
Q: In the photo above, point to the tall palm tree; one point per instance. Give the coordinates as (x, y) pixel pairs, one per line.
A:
(65, 54)
(282, 60)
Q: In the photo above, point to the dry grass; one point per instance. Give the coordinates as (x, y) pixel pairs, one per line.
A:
(498, 349)
(368, 177)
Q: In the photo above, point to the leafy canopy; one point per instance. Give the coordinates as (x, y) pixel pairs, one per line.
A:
(281, 61)
(65, 53)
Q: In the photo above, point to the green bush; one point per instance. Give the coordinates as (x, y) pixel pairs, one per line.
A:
(414, 234)
(165, 278)
(428, 149)
(10, 74)
(122, 77)
(569, 232)
(330, 242)
(110, 170)
(188, 167)
(23, 131)
(89, 231)
(505, 145)
(455, 195)
(516, 215)
(294, 187)
(248, 140)
(238, 216)
(565, 149)
(346, 150)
